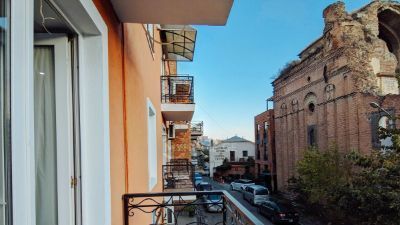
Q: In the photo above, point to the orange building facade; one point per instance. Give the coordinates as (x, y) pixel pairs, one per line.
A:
(135, 67)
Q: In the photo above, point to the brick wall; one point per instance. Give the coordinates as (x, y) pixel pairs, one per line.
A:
(324, 98)
(181, 145)
(265, 144)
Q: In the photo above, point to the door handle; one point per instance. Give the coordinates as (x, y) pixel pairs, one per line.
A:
(74, 182)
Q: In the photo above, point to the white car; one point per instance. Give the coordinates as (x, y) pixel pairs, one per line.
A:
(241, 184)
(256, 194)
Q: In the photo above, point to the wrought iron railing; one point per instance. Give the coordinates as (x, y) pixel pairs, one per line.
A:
(177, 89)
(178, 175)
(196, 128)
(173, 208)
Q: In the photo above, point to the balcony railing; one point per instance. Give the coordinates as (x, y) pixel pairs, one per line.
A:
(196, 128)
(177, 89)
(178, 176)
(172, 208)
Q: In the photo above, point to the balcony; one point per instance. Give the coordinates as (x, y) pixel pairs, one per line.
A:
(196, 129)
(178, 176)
(172, 208)
(177, 98)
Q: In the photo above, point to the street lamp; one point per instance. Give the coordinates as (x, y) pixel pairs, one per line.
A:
(377, 106)
(390, 117)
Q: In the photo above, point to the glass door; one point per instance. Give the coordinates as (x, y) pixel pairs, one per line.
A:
(54, 130)
(5, 133)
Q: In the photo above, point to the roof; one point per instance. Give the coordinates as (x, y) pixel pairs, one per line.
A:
(235, 139)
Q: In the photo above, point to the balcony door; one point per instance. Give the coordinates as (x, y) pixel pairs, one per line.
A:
(55, 164)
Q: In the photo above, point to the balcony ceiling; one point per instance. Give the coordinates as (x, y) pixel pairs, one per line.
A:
(182, 12)
(177, 112)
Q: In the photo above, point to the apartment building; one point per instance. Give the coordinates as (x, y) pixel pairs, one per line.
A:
(265, 159)
(83, 117)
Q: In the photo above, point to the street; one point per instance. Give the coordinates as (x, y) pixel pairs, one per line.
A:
(213, 218)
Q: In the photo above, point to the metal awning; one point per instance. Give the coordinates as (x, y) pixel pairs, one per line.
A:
(184, 12)
(178, 42)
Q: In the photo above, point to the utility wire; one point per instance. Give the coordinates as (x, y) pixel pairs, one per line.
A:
(216, 122)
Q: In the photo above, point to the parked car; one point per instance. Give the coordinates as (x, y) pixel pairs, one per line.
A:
(240, 184)
(279, 211)
(255, 194)
(213, 203)
(204, 186)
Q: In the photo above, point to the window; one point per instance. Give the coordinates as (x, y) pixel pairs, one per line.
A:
(232, 156)
(152, 144)
(325, 74)
(170, 216)
(311, 135)
(311, 107)
(245, 153)
(150, 36)
(5, 140)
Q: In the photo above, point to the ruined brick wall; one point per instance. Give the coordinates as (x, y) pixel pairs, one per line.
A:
(324, 98)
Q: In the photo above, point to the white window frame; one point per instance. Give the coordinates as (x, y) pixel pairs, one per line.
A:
(152, 144)
(94, 110)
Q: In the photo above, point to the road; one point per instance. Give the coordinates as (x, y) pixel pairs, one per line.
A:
(213, 218)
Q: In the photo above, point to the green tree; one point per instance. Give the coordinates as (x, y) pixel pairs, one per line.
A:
(364, 189)
(374, 196)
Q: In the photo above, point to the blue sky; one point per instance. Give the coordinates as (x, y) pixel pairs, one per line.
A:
(235, 65)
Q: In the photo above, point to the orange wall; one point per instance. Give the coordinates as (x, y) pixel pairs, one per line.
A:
(117, 146)
(134, 76)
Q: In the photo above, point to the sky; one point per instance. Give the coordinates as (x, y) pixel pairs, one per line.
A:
(234, 65)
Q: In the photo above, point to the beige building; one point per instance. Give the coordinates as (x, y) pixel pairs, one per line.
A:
(324, 97)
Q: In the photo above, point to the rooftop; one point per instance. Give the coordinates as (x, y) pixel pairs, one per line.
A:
(235, 139)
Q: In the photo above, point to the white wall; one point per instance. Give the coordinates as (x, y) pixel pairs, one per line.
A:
(221, 151)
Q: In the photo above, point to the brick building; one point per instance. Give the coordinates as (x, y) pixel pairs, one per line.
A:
(264, 129)
(324, 97)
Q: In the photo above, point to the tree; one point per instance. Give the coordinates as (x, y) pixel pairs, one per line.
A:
(375, 189)
(365, 189)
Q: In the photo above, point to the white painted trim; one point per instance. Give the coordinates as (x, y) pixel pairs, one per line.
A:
(94, 114)
(22, 119)
(94, 102)
(152, 145)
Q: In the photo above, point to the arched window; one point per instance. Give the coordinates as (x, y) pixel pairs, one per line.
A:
(389, 23)
(310, 102)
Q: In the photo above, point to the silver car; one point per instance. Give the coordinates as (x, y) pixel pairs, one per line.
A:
(240, 185)
(255, 194)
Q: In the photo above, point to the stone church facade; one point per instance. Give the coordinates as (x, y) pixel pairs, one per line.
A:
(324, 98)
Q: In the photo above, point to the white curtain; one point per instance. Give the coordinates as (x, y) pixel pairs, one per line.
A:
(45, 137)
